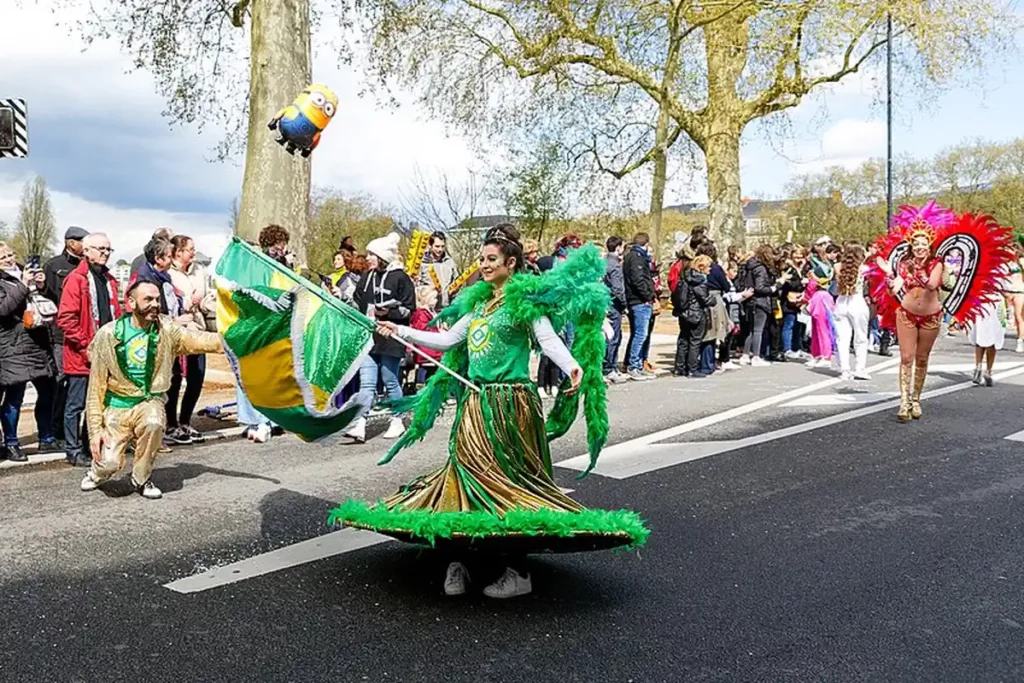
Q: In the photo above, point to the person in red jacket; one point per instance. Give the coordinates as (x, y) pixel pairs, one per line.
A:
(88, 302)
(426, 311)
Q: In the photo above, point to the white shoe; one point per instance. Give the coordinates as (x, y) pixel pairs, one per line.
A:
(261, 434)
(148, 490)
(759, 362)
(358, 431)
(729, 365)
(395, 429)
(862, 375)
(846, 376)
(510, 585)
(793, 355)
(88, 483)
(456, 578)
(977, 376)
(745, 360)
(1020, 346)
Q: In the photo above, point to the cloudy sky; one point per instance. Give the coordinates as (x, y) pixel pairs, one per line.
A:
(114, 163)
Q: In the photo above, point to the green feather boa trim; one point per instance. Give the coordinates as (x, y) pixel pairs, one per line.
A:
(430, 525)
(572, 292)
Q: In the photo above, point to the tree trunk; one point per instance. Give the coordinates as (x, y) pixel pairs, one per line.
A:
(276, 185)
(658, 183)
(722, 151)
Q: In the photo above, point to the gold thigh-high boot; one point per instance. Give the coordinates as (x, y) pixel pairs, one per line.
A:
(920, 375)
(906, 372)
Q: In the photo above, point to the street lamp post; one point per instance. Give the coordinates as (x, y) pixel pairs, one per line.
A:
(888, 119)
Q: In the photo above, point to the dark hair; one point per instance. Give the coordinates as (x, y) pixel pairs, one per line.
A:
(271, 235)
(156, 247)
(641, 239)
(707, 248)
(438, 235)
(698, 231)
(342, 253)
(179, 242)
(505, 236)
(138, 283)
(765, 253)
(613, 243)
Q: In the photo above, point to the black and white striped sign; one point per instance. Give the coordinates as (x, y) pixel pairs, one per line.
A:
(13, 128)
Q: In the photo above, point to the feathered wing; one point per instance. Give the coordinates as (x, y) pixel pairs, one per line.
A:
(987, 251)
(573, 292)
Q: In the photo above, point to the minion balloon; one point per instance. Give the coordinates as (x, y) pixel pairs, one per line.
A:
(299, 124)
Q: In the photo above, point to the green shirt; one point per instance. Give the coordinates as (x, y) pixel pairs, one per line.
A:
(136, 353)
(499, 352)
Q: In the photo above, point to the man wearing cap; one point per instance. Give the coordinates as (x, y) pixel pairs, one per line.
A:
(56, 271)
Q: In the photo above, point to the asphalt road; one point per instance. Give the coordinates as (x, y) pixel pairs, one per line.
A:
(861, 550)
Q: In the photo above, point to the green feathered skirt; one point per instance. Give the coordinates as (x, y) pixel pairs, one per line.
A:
(495, 490)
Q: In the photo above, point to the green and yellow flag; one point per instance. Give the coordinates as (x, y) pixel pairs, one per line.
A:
(293, 347)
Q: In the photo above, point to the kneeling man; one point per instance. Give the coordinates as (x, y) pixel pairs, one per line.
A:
(131, 367)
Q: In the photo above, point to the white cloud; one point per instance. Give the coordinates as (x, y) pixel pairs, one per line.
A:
(129, 229)
(847, 143)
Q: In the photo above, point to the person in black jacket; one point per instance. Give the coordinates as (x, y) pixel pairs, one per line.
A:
(613, 279)
(690, 301)
(25, 357)
(639, 285)
(758, 307)
(384, 292)
(56, 271)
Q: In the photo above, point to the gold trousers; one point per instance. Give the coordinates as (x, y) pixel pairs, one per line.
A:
(498, 459)
(144, 424)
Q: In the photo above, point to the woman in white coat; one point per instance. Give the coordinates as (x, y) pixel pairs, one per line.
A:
(852, 315)
(988, 334)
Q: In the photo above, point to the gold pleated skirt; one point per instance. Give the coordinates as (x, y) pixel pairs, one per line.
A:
(498, 459)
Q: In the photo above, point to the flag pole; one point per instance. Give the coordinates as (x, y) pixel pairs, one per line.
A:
(433, 362)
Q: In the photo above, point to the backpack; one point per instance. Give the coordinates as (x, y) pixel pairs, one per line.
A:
(681, 296)
(744, 278)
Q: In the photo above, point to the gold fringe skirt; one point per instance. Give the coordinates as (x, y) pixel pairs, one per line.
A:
(498, 459)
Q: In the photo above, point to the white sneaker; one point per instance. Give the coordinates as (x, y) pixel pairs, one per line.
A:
(793, 355)
(745, 360)
(358, 431)
(759, 362)
(977, 376)
(1020, 346)
(510, 585)
(261, 434)
(846, 376)
(729, 365)
(395, 429)
(456, 578)
(862, 375)
(88, 483)
(148, 490)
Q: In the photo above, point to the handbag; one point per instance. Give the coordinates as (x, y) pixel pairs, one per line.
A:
(38, 312)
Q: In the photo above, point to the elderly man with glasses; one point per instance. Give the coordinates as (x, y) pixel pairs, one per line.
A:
(89, 301)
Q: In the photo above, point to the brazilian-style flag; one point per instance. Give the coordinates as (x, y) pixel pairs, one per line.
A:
(293, 347)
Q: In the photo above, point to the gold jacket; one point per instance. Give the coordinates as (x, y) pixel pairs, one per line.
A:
(105, 372)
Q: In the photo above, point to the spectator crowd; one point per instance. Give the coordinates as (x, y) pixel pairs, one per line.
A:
(733, 308)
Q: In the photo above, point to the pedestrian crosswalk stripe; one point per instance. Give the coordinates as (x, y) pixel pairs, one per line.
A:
(13, 128)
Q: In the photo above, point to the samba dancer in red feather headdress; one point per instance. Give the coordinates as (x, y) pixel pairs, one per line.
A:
(906, 277)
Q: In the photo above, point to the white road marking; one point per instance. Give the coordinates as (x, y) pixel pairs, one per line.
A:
(839, 399)
(960, 368)
(643, 457)
(1016, 436)
(334, 543)
(581, 462)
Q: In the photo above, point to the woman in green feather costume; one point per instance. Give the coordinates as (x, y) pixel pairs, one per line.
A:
(496, 490)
